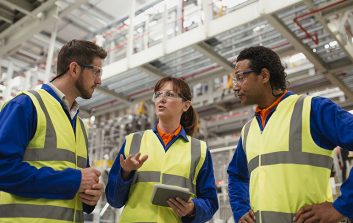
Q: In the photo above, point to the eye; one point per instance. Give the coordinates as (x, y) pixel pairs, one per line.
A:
(169, 94)
(240, 78)
(157, 94)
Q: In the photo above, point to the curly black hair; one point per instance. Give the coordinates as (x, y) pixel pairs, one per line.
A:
(262, 57)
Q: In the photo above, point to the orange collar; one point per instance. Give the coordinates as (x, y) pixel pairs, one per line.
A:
(167, 137)
(264, 112)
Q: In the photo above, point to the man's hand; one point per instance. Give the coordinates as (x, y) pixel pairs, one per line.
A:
(89, 177)
(181, 207)
(249, 217)
(91, 196)
(132, 162)
(323, 213)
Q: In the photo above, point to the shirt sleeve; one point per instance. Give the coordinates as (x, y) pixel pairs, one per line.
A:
(332, 126)
(18, 123)
(117, 190)
(206, 201)
(238, 183)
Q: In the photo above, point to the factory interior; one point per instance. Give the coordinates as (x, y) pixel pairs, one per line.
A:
(197, 40)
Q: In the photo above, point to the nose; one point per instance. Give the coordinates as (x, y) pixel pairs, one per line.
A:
(236, 87)
(162, 99)
(98, 80)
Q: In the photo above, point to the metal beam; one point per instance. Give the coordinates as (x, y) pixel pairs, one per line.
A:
(313, 58)
(296, 42)
(114, 94)
(20, 5)
(150, 69)
(78, 24)
(26, 27)
(207, 51)
(6, 15)
(333, 27)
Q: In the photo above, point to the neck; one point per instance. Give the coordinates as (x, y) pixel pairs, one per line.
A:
(268, 98)
(67, 89)
(168, 127)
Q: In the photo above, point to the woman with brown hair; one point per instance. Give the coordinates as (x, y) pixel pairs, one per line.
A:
(171, 156)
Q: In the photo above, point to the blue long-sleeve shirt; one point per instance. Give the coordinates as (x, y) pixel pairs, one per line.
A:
(206, 203)
(18, 123)
(330, 126)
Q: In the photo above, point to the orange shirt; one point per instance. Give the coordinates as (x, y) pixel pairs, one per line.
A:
(166, 137)
(266, 111)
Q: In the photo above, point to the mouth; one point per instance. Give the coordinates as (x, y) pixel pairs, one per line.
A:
(161, 107)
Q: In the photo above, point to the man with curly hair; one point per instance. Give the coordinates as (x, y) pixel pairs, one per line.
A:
(281, 167)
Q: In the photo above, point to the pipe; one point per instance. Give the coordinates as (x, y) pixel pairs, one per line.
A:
(314, 36)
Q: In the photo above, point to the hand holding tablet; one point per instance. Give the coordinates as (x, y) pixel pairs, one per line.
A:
(162, 192)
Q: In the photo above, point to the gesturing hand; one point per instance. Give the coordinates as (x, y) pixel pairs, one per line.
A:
(132, 162)
(181, 207)
(249, 217)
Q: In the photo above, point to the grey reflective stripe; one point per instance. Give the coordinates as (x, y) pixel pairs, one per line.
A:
(295, 154)
(84, 132)
(136, 142)
(296, 158)
(82, 161)
(147, 176)
(79, 216)
(50, 136)
(50, 152)
(295, 130)
(39, 211)
(49, 155)
(246, 132)
(253, 164)
(257, 216)
(273, 217)
(195, 159)
(178, 181)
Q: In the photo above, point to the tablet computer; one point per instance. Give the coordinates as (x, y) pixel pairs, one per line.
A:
(162, 192)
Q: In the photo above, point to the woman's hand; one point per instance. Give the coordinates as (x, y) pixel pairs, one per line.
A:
(132, 162)
(182, 208)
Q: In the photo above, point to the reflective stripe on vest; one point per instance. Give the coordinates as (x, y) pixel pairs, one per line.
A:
(40, 211)
(295, 154)
(274, 217)
(154, 176)
(50, 152)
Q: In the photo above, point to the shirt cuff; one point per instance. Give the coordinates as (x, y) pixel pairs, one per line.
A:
(343, 207)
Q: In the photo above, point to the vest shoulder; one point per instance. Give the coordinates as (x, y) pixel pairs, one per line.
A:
(140, 133)
(193, 138)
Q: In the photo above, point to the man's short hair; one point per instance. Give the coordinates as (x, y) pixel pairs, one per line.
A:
(80, 51)
(262, 57)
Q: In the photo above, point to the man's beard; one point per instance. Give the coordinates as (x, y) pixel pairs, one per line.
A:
(85, 94)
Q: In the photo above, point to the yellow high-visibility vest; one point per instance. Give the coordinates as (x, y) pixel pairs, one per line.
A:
(54, 145)
(287, 169)
(179, 166)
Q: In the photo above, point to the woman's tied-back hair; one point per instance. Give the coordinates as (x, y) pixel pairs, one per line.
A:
(189, 119)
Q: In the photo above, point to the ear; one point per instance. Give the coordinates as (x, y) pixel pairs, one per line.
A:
(186, 105)
(74, 70)
(265, 75)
